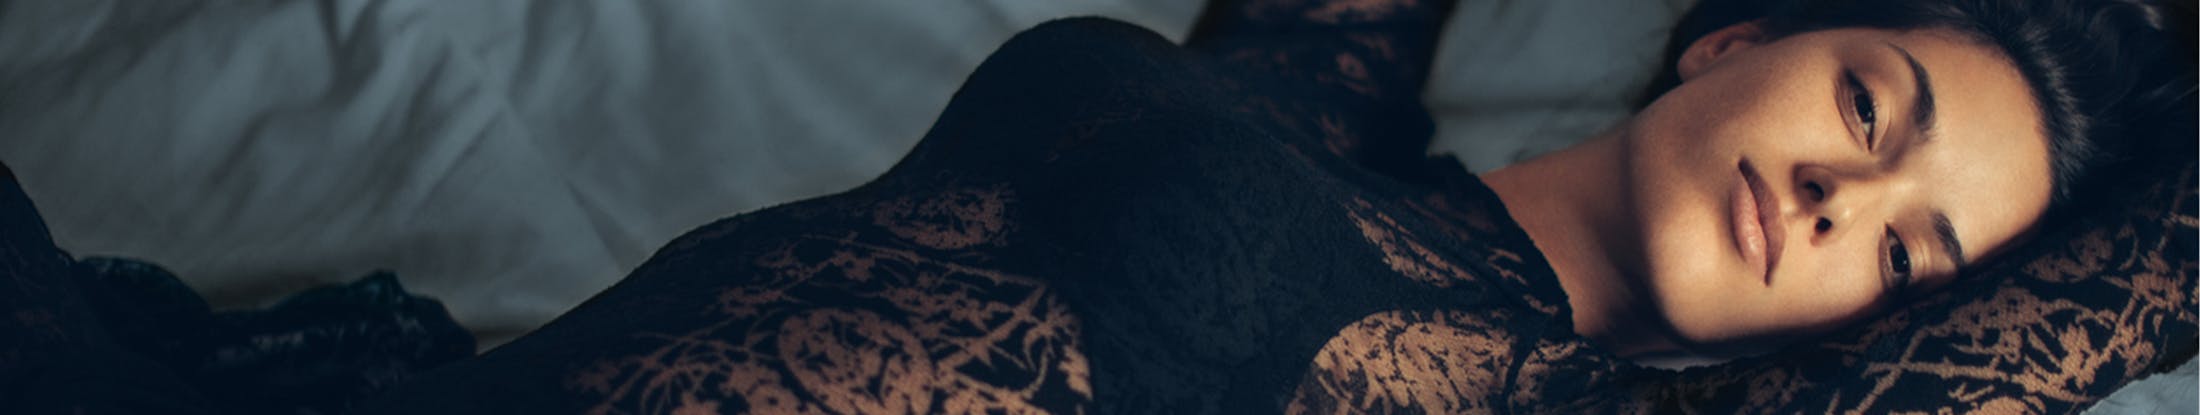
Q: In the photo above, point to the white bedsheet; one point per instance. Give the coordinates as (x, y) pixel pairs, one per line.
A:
(513, 157)
(509, 157)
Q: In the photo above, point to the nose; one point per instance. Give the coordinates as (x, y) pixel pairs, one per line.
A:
(1837, 201)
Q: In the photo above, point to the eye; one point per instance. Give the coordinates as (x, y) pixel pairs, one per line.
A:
(1867, 111)
(1897, 260)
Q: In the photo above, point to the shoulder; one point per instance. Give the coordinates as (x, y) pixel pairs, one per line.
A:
(1061, 88)
(1080, 37)
(1058, 54)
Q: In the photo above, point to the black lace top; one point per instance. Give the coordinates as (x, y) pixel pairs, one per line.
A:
(1103, 219)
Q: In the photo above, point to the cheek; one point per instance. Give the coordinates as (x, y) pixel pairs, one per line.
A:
(1691, 140)
(1827, 288)
(1748, 110)
(1678, 177)
(1682, 165)
(1712, 300)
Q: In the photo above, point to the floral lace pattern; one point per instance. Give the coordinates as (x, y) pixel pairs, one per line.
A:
(1439, 362)
(988, 271)
(874, 315)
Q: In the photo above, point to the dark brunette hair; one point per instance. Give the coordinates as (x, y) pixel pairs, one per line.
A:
(2113, 78)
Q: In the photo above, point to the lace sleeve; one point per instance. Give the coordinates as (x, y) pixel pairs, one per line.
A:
(1348, 73)
(2072, 322)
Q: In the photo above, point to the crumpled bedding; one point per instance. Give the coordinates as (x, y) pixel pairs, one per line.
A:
(511, 157)
(514, 157)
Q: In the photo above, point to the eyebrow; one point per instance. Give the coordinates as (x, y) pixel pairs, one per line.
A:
(1921, 108)
(1946, 231)
(1921, 103)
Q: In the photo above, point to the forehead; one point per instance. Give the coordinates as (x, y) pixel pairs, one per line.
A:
(1988, 163)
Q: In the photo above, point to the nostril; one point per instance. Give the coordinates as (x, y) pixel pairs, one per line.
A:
(1824, 224)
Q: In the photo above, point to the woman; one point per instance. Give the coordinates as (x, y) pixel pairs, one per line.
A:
(1105, 221)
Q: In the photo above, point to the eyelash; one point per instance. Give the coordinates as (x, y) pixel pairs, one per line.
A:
(1895, 258)
(1897, 266)
(1865, 108)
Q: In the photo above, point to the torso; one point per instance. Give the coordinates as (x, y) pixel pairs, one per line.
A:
(1098, 222)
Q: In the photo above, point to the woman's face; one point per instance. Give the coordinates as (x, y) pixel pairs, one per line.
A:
(1790, 187)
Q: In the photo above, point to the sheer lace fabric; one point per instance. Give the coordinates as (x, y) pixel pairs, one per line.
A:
(1105, 222)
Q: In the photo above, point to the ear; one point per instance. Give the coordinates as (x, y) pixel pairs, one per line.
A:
(1712, 48)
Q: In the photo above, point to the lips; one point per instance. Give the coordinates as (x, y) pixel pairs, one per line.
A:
(1757, 227)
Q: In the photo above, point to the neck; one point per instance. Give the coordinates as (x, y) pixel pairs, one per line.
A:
(1573, 204)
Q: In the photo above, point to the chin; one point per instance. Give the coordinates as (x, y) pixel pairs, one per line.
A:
(1711, 303)
(1698, 319)
(1693, 275)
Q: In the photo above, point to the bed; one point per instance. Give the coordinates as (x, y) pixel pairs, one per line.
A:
(513, 157)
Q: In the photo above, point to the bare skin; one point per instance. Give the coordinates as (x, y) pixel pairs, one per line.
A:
(1653, 228)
